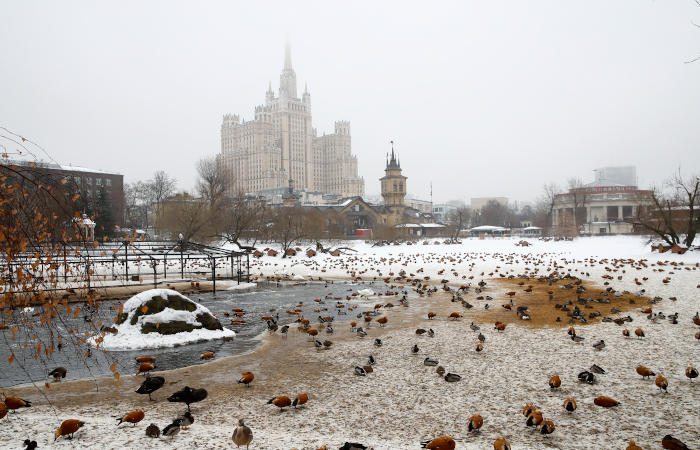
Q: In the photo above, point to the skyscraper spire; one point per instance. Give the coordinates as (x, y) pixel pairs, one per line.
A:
(287, 56)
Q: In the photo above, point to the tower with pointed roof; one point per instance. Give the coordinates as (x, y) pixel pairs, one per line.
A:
(281, 143)
(393, 183)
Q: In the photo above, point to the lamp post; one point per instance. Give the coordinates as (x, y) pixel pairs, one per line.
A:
(182, 269)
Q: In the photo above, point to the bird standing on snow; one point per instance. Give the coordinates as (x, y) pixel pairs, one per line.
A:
(439, 443)
(133, 417)
(188, 395)
(186, 420)
(672, 443)
(661, 382)
(58, 373)
(501, 443)
(172, 429)
(246, 378)
(570, 404)
(150, 385)
(242, 435)
(475, 422)
(281, 401)
(68, 428)
(153, 431)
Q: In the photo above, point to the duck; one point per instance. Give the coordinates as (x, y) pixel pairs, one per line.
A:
(246, 378)
(475, 422)
(14, 403)
(30, 445)
(242, 435)
(153, 431)
(605, 402)
(639, 333)
(600, 345)
(644, 372)
(691, 372)
(555, 382)
(371, 360)
(481, 338)
(186, 420)
(68, 428)
(586, 377)
(377, 342)
(570, 404)
(133, 417)
(150, 385)
(415, 349)
(172, 429)
(187, 395)
(360, 371)
(440, 370)
(300, 400)
(145, 367)
(452, 377)
(430, 362)
(143, 359)
(597, 369)
(439, 443)
(547, 427)
(501, 443)
(626, 332)
(672, 443)
(58, 373)
(661, 382)
(633, 446)
(534, 419)
(281, 401)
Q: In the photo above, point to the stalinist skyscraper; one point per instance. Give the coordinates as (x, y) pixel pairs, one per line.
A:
(280, 146)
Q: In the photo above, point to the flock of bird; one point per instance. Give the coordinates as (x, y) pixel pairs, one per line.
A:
(358, 269)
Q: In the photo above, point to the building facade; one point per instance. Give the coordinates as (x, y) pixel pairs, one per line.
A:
(280, 144)
(84, 181)
(604, 206)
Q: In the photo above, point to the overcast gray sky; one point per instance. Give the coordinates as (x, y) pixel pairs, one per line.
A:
(487, 98)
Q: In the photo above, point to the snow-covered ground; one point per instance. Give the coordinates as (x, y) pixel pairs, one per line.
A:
(403, 402)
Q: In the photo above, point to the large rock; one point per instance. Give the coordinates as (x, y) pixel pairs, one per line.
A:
(163, 317)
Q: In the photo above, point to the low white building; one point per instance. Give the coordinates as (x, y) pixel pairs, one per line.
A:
(600, 207)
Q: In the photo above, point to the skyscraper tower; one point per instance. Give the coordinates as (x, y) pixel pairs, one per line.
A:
(261, 155)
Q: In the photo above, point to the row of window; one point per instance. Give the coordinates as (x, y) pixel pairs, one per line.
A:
(88, 180)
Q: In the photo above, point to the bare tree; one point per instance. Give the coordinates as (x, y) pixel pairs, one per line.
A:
(578, 194)
(673, 216)
(161, 187)
(544, 206)
(244, 219)
(187, 215)
(212, 183)
(457, 219)
(288, 227)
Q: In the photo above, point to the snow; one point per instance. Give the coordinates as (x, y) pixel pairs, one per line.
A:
(402, 402)
(130, 337)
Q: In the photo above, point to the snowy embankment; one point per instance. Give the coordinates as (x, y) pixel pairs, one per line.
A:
(136, 318)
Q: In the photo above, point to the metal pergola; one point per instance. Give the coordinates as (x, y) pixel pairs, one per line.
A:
(193, 258)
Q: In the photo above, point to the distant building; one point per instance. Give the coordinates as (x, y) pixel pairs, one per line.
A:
(261, 155)
(605, 206)
(87, 182)
(441, 212)
(361, 216)
(479, 202)
(425, 206)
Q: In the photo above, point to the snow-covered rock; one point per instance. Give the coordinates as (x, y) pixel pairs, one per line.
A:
(162, 318)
